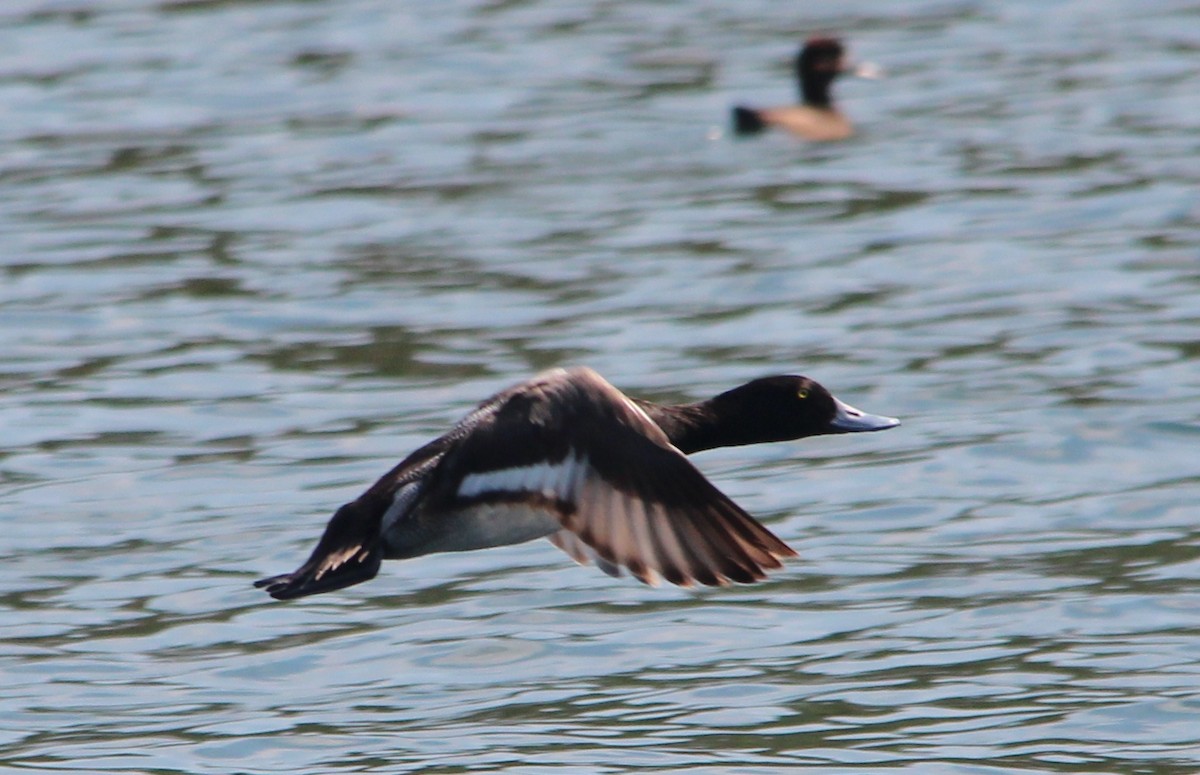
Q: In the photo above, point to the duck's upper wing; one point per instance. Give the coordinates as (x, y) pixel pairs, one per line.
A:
(571, 444)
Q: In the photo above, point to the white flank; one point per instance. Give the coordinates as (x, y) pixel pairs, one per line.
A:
(559, 480)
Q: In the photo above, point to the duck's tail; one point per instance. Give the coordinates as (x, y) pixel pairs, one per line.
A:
(747, 121)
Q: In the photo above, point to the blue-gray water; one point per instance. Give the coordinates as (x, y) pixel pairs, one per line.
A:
(255, 252)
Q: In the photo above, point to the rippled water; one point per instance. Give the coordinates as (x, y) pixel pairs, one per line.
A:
(255, 252)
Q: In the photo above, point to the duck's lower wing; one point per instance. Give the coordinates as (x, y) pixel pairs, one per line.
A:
(671, 525)
(348, 553)
(582, 553)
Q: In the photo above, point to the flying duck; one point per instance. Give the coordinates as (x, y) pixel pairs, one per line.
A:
(818, 63)
(567, 456)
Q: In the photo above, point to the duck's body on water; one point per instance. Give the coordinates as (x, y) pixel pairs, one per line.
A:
(816, 117)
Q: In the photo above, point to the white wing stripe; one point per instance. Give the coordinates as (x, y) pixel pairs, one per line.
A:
(559, 480)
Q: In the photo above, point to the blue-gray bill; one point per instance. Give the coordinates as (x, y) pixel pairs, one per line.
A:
(847, 419)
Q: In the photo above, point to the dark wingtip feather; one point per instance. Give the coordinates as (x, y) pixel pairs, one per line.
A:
(675, 576)
(709, 578)
(640, 571)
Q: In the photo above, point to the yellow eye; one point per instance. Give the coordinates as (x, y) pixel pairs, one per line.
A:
(802, 393)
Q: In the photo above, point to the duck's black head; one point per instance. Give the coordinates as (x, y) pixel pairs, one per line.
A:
(769, 409)
(817, 64)
(790, 407)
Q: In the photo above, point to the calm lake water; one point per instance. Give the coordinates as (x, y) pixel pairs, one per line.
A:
(255, 252)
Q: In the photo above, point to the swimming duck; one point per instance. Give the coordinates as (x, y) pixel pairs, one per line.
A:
(818, 63)
(567, 456)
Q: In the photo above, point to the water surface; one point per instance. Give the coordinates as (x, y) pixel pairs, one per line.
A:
(254, 253)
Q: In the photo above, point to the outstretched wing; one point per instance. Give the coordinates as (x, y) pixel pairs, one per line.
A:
(575, 446)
